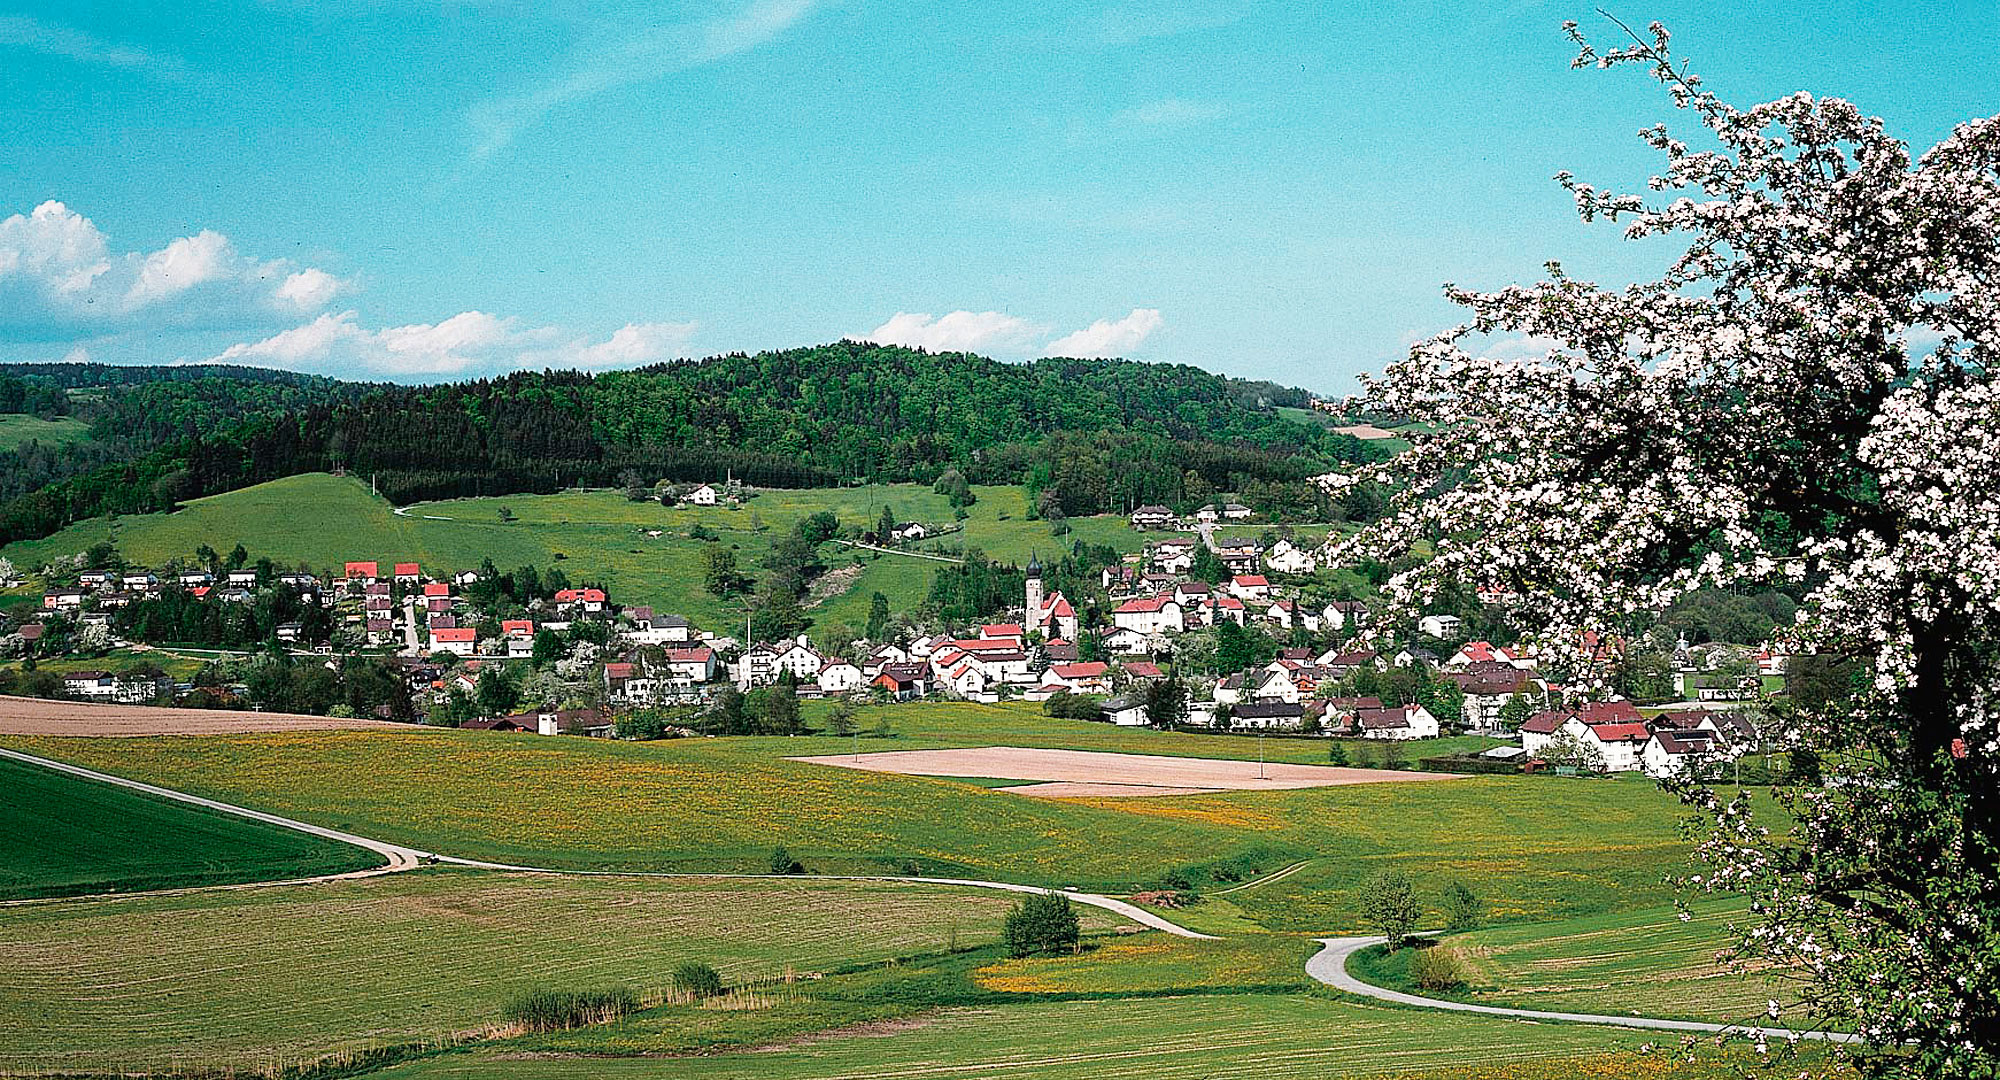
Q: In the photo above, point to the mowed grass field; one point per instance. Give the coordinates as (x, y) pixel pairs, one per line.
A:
(323, 521)
(18, 429)
(61, 835)
(268, 977)
(1308, 1036)
(1533, 847)
(1643, 962)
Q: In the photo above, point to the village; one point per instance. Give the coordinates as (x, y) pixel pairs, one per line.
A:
(1328, 673)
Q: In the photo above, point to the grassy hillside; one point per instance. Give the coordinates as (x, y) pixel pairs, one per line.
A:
(262, 977)
(61, 835)
(19, 428)
(1643, 962)
(1535, 847)
(1170, 1038)
(600, 536)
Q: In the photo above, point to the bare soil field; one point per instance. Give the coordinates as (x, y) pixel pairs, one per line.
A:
(1083, 773)
(38, 716)
(1366, 431)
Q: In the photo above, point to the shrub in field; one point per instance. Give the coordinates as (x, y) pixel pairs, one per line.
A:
(1437, 968)
(1042, 923)
(1462, 909)
(1389, 901)
(697, 980)
(560, 1010)
(783, 863)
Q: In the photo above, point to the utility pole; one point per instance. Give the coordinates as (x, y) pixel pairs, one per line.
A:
(1260, 755)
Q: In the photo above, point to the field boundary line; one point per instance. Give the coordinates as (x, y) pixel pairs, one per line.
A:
(1284, 873)
(401, 858)
(398, 858)
(1329, 966)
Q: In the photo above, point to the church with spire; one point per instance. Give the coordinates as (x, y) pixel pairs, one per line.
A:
(1048, 615)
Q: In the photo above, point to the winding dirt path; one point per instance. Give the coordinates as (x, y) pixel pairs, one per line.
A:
(1329, 966)
(402, 858)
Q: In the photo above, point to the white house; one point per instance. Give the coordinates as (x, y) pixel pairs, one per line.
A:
(696, 665)
(1237, 512)
(1093, 677)
(1285, 558)
(1124, 711)
(1173, 556)
(1153, 517)
(1439, 626)
(1124, 641)
(1679, 754)
(1401, 722)
(840, 676)
(1149, 615)
(705, 495)
(455, 640)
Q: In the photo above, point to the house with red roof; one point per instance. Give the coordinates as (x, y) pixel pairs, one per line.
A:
(1149, 615)
(590, 600)
(363, 572)
(1093, 677)
(409, 573)
(460, 640)
(1250, 587)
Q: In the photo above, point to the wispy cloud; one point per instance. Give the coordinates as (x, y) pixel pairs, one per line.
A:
(959, 331)
(999, 332)
(638, 56)
(1109, 337)
(52, 39)
(468, 342)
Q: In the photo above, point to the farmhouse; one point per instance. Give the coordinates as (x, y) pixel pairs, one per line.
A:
(705, 495)
(1124, 712)
(453, 640)
(1268, 715)
(1401, 722)
(1154, 517)
(1151, 615)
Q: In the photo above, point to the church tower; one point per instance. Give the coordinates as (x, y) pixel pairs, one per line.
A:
(1033, 615)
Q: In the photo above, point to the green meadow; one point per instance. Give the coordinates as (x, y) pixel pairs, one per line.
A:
(322, 521)
(61, 835)
(1535, 847)
(19, 429)
(267, 978)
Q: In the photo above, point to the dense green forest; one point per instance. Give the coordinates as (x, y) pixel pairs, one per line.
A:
(1086, 436)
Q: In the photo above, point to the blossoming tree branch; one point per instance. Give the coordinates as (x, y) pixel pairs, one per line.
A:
(1806, 396)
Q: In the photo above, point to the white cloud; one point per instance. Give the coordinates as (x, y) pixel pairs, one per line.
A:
(960, 331)
(310, 289)
(180, 266)
(58, 273)
(1171, 112)
(629, 346)
(469, 342)
(1108, 337)
(641, 55)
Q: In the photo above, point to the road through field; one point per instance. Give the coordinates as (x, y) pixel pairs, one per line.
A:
(402, 858)
(1329, 966)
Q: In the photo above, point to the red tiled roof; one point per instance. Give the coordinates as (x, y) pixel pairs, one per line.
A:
(405, 569)
(1091, 670)
(517, 626)
(466, 633)
(1621, 732)
(437, 588)
(363, 569)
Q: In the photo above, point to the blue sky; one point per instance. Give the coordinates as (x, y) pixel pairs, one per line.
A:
(419, 190)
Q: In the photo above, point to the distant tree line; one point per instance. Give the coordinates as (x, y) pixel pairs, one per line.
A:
(1086, 436)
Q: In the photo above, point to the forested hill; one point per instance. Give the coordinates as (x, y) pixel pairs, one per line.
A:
(1086, 435)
